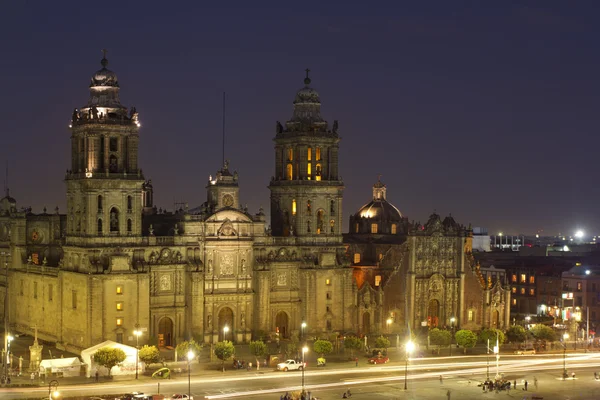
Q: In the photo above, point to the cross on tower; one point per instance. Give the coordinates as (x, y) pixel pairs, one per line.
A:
(104, 51)
(307, 71)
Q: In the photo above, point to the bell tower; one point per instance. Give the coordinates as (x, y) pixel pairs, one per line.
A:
(104, 184)
(306, 189)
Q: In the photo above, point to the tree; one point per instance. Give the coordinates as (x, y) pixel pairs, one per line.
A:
(466, 339)
(109, 357)
(492, 334)
(322, 347)
(224, 350)
(258, 348)
(440, 338)
(382, 342)
(516, 334)
(352, 343)
(543, 333)
(294, 345)
(184, 347)
(149, 354)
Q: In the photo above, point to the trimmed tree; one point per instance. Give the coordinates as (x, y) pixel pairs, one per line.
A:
(491, 334)
(466, 339)
(440, 338)
(149, 354)
(516, 334)
(109, 357)
(322, 347)
(224, 350)
(183, 348)
(352, 343)
(543, 333)
(382, 342)
(258, 348)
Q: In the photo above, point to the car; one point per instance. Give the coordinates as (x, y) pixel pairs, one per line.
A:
(163, 373)
(291, 365)
(526, 350)
(379, 360)
(178, 396)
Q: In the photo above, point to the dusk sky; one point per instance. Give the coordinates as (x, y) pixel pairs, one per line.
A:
(486, 110)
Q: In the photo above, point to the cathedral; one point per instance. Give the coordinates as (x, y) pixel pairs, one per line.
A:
(115, 263)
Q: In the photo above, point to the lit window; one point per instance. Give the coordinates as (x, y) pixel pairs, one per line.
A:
(332, 226)
(119, 306)
(523, 278)
(119, 289)
(579, 285)
(514, 302)
(35, 258)
(377, 280)
(328, 282)
(380, 257)
(393, 229)
(309, 171)
(532, 279)
(514, 278)
(470, 317)
(373, 228)
(289, 172)
(294, 207)
(522, 290)
(318, 154)
(290, 154)
(318, 172)
(356, 227)
(532, 292)
(514, 290)
(356, 258)
(309, 154)
(119, 321)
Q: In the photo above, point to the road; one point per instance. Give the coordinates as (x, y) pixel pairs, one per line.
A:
(460, 377)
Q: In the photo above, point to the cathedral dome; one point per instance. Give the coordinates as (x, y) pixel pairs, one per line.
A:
(380, 209)
(379, 216)
(104, 76)
(307, 95)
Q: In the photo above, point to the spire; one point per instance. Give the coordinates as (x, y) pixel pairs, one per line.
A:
(104, 61)
(307, 79)
(379, 190)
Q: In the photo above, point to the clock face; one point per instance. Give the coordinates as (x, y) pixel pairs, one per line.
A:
(228, 200)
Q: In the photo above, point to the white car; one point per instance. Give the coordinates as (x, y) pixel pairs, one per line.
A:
(291, 365)
(182, 397)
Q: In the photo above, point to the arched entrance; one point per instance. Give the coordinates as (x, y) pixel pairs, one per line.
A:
(226, 320)
(433, 313)
(366, 323)
(165, 332)
(281, 324)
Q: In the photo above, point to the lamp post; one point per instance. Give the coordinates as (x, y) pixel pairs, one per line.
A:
(137, 334)
(304, 351)
(452, 320)
(488, 360)
(497, 353)
(565, 337)
(388, 322)
(53, 393)
(190, 357)
(225, 330)
(410, 346)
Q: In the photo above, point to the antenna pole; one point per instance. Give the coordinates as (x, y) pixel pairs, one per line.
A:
(223, 155)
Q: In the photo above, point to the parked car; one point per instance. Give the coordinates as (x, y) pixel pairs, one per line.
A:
(525, 350)
(378, 360)
(291, 365)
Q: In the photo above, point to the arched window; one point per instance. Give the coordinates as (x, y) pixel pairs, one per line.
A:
(332, 207)
(309, 171)
(114, 220)
(393, 229)
(320, 227)
(356, 226)
(99, 204)
(290, 172)
(294, 207)
(99, 226)
(129, 203)
(318, 153)
(309, 153)
(332, 226)
(318, 172)
(129, 226)
(373, 228)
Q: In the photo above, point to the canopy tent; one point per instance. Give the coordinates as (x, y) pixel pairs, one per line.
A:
(65, 366)
(127, 367)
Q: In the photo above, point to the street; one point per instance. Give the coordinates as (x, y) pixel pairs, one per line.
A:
(461, 376)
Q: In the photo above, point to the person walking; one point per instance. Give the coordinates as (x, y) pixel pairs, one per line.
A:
(32, 377)
(515, 383)
(448, 394)
(525, 388)
(97, 375)
(441, 379)
(535, 383)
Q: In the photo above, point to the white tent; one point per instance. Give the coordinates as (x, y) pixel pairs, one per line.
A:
(65, 366)
(126, 368)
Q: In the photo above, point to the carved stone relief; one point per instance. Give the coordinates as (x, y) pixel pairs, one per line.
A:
(227, 264)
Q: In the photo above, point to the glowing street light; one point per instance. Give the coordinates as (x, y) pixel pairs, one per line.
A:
(452, 321)
(225, 330)
(190, 357)
(53, 394)
(137, 334)
(388, 322)
(579, 234)
(304, 351)
(410, 347)
(303, 326)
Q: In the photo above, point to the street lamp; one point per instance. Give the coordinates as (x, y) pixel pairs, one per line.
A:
(190, 357)
(53, 394)
(452, 320)
(410, 346)
(388, 322)
(225, 330)
(565, 337)
(303, 326)
(304, 351)
(137, 334)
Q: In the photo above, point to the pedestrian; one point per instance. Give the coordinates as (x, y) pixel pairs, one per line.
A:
(535, 382)
(97, 375)
(525, 388)
(356, 361)
(448, 394)
(32, 377)
(441, 379)
(573, 375)
(515, 383)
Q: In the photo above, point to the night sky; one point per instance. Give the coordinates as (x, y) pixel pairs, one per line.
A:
(486, 111)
